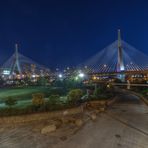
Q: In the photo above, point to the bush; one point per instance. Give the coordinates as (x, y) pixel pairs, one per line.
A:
(54, 99)
(16, 111)
(145, 92)
(38, 99)
(99, 90)
(10, 102)
(74, 96)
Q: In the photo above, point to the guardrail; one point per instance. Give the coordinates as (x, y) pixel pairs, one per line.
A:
(126, 84)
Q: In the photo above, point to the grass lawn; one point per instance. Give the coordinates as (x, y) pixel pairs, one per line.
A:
(23, 93)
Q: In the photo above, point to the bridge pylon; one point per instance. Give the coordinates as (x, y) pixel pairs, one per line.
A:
(16, 64)
(120, 63)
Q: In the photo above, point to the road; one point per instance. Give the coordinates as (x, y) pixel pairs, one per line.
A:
(124, 125)
(131, 84)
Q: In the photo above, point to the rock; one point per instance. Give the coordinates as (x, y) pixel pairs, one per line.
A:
(78, 122)
(97, 111)
(93, 116)
(67, 120)
(57, 122)
(102, 109)
(65, 113)
(102, 103)
(48, 129)
(2, 129)
(64, 120)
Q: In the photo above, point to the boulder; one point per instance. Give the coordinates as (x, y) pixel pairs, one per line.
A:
(57, 122)
(78, 122)
(2, 129)
(102, 109)
(48, 129)
(102, 103)
(65, 112)
(67, 120)
(93, 116)
(97, 111)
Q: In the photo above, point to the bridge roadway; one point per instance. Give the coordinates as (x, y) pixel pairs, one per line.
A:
(125, 84)
(124, 125)
(123, 72)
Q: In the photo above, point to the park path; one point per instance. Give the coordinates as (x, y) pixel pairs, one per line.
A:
(124, 125)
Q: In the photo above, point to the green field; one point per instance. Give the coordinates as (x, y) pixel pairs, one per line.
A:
(23, 93)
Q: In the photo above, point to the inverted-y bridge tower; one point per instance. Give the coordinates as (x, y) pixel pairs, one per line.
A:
(120, 63)
(16, 64)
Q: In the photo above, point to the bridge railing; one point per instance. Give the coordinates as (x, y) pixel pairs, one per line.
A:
(126, 84)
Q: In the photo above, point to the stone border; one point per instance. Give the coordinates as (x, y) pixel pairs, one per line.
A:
(39, 116)
(101, 104)
(12, 120)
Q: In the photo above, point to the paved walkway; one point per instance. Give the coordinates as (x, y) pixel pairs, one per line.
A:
(124, 125)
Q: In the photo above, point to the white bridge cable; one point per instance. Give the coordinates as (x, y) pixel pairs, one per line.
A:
(24, 63)
(106, 59)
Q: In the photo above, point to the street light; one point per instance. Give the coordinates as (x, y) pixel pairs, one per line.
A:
(60, 75)
(76, 78)
(81, 75)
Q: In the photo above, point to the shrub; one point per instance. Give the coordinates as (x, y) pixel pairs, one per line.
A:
(38, 99)
(74, 96)
(54, 99)
(97, 92)
(42, 81)
(145, 92)
(10, 102)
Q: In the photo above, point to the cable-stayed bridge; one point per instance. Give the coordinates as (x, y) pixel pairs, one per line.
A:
(118, 57)
(20, 65)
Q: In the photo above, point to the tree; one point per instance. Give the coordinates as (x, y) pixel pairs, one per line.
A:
(38, 99)
(10, 102)
(1, 81)
(42, 81)
(74, 95)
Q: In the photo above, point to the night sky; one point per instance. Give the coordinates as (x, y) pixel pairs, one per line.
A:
(59, 33)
